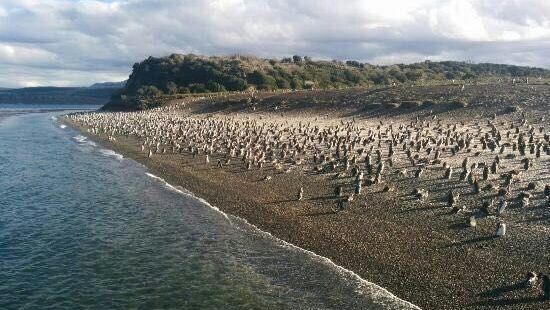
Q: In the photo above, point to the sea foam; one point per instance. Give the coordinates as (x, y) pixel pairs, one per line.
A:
(80, 138)
(83, 140)
(111, 153)
(187, 193)
(364, 287)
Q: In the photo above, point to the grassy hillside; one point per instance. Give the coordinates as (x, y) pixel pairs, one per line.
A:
(184, 74)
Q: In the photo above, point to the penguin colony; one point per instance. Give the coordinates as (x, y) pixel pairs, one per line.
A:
(493, 160)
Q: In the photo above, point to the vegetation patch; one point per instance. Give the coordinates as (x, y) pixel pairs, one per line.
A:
(180, 75)
(459, 103)
(390, 105)
(410, 104)
(511, 109)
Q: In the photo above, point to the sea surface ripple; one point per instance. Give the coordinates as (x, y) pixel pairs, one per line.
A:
(82, 227)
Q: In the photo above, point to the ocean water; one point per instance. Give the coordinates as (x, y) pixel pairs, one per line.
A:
(82, 227)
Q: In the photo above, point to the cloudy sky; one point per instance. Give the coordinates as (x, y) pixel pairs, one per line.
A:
(79, 42)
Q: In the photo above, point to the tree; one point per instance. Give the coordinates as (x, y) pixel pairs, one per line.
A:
(397, 74)
(197, 88)
(353, 63)
(451, 75)
(183, 90)
(262, 80)
(379, 77)
(296, 83)
(149, 91)
(352, 76)
(414, 75)
(215, 87)
(171, 88)
(233, 83)
(468, 75)
(283, 83)
(297, 59)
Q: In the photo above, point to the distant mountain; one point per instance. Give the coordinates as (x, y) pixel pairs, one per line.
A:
(58, 95)
(120, 84)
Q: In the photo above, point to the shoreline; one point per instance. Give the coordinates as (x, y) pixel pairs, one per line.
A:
(389, 295)
(417, 251)
(163, 175)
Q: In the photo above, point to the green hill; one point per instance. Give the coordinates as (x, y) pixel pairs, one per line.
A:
(182, 74)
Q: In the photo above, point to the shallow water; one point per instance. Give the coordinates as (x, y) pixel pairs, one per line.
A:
(83, 227)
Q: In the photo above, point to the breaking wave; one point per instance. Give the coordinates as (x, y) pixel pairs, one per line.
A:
(111, 153)
(363, 287)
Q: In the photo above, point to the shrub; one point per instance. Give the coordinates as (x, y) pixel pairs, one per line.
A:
(283, 84)
(215, 87)
(149, 91)
(510, 109)
(390, 105)
(409, 104)
(353, 63)
(262, 80)
(171, 88)
(429, 103)
(296, 83)
(197, 88)
(459, 103)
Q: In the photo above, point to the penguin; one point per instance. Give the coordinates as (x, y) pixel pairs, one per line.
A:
(485, 173)
(339, 191)
(526, 164)
(502, 206)
(475, 186)
(486, 207)
(464, 175)
(524, 202)
(358, 188)
(419, 172)
(340, 206)
(452, 198)
(501, 230)
(473, 222)
(531, 279)
(449, 173)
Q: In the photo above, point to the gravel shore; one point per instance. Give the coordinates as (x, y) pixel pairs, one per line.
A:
(419, 250)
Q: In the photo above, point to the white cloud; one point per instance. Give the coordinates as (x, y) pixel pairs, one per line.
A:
(80, 42)
(23, 55)
(458, 20)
